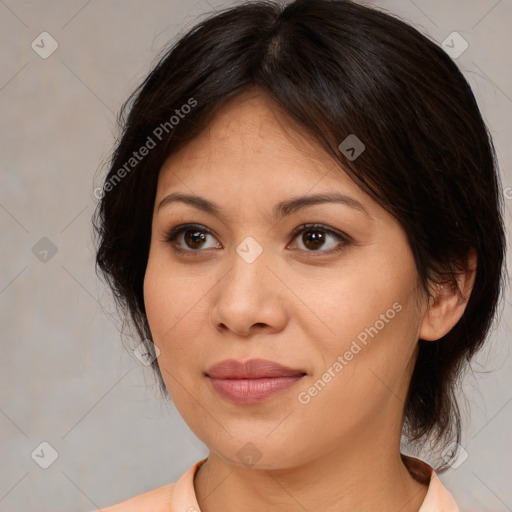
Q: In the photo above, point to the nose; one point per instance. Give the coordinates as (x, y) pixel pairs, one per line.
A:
(250, 297)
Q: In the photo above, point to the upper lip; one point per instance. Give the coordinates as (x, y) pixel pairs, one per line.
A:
(251, 369)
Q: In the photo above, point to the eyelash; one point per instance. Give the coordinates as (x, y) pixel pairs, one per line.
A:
(173, 233)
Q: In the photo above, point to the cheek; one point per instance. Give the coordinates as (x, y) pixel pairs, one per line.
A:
(164, 309)
(157, 297)
(382, 350)
(358, 305)
(176, 318)
(361, 384)
(168, 297)
(374, 322)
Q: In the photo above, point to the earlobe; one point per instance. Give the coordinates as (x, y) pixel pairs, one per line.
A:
(446, 306)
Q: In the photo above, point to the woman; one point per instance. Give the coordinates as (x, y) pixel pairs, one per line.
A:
(302, 219)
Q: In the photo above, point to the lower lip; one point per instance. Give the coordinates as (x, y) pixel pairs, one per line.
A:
(251, 391)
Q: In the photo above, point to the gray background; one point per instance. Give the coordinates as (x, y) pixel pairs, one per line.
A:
(65, 376)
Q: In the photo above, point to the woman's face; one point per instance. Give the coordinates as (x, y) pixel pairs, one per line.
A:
(338, 304)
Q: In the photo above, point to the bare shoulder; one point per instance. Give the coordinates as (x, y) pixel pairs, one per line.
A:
(157, 500)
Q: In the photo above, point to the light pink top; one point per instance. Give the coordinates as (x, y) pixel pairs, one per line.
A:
(183, 499)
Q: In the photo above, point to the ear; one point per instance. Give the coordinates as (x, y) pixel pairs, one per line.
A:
(446, 307)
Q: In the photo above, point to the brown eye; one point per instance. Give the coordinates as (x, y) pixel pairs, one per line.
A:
(194, 239)
(315, 237)
(189, 238)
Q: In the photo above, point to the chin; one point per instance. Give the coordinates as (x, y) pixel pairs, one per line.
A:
(258, 453)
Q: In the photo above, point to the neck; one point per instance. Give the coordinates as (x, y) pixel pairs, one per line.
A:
(343, 479)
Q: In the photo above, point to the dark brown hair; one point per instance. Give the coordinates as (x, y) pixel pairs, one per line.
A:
(338, 68)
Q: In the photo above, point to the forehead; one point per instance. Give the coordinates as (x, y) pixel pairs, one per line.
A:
(251, 138)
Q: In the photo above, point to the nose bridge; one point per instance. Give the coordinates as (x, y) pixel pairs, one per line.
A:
(249, 269)
(247, 294)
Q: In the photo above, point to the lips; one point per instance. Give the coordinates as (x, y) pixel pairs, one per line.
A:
(251, 381)
(252, 369)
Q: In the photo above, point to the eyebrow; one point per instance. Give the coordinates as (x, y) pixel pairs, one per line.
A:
(279, 211)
